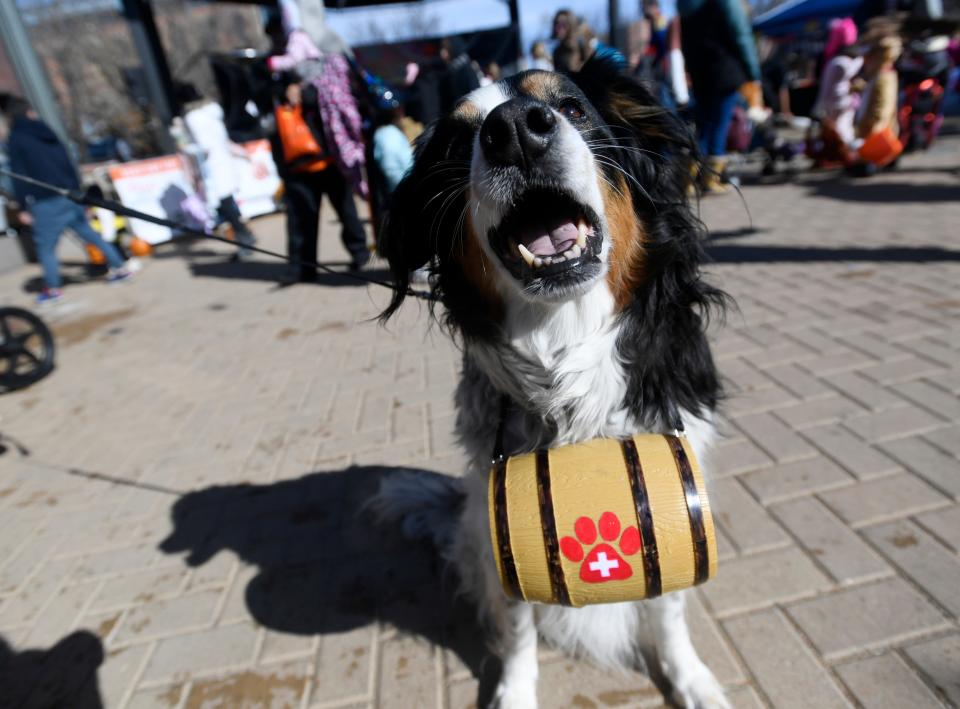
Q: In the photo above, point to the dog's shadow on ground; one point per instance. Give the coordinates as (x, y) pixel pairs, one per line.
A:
(63, 676)
(326, 564)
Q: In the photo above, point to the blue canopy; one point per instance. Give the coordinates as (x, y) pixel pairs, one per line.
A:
(799, 15)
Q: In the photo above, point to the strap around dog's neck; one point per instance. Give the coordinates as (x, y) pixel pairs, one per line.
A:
(499, 453)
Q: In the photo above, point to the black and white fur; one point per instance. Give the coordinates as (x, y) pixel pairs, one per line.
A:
(612, 346)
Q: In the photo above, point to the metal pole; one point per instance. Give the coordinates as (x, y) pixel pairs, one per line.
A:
(28, 69)
(613, 12)
(515, 28)
(146, 39)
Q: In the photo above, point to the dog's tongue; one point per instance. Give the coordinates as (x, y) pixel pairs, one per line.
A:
(548, 239)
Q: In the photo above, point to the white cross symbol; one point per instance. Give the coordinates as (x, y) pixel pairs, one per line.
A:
(603, 564)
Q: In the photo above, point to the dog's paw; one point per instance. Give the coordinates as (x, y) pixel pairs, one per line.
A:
(515, 695)
(697, 688)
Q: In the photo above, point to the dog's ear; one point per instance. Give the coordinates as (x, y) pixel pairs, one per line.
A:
(664, 342)
(623, 100)
(638, 121)
(404, 241)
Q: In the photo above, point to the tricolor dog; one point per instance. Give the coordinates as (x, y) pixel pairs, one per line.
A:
(553, 211)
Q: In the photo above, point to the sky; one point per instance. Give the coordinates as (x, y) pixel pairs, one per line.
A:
(456, 16)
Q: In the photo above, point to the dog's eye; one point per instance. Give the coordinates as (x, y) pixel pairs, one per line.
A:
(571, 109)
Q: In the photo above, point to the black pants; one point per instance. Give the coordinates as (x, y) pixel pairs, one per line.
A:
(303, 193)
(228, 211)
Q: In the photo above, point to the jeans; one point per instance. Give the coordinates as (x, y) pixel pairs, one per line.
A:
(713, 117)
(51, 216)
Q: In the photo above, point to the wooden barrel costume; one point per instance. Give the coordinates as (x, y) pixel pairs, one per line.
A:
(602, 521)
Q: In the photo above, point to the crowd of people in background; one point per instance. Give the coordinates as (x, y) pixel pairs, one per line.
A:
(338, 131)
(877, 92)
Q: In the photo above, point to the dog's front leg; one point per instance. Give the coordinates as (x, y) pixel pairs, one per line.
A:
(694, 685)
(518, 683)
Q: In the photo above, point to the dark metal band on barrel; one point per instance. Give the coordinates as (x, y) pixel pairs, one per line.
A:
(701, 560)
(503, 530)
(651, 557)
(549, 522)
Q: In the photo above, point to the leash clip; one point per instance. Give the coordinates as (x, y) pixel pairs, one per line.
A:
(678, 429)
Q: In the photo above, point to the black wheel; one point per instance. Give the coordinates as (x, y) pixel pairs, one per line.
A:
(26, 349)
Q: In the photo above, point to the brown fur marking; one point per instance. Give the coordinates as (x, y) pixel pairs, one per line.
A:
(626, 249)
(478, 270)
(467, 111)
(540, 85)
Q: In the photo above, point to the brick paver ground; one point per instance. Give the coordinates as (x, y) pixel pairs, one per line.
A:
(188, 531)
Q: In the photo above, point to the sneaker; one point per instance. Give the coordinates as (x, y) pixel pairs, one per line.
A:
(119, 275)
(360, 261)
(48, 296)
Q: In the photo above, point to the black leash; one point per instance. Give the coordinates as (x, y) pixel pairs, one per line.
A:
(86, 200)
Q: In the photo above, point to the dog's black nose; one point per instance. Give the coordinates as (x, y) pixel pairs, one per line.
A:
(517, 132)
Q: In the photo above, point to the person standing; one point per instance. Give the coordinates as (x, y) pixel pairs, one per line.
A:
(304, 187)
(572, 49)
(328, 76)
(720, 56)
(662, 64)
(877, 113)
(295, 56)
(540, 57)
(35, 151)
(458, 77)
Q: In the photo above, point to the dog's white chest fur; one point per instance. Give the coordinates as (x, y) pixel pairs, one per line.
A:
(562, 362)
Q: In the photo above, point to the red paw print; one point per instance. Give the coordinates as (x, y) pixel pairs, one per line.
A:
(603, 562)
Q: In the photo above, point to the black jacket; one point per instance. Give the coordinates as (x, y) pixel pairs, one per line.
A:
(36, 151)
(718, 47)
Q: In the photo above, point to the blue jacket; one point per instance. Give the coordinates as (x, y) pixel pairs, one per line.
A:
(393, 154)
(36, 151)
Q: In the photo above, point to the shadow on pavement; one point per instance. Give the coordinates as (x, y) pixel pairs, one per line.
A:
(871, 191)
(325, 565)
(207, 263)
(35, 284)
(739, 233)
(764, 253)
(833, 183)
(63, 676)
(279, 272)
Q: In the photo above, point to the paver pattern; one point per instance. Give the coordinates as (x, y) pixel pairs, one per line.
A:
(189, 529)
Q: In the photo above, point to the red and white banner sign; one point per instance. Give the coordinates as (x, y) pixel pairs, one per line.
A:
(160, 187)
(258, 180)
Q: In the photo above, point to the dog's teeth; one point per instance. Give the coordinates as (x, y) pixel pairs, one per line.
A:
(547, 260)
(575, 251)
(525, 253)
(582, 235)
(537, 262)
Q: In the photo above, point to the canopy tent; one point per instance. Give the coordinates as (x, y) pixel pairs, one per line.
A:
(803, 15)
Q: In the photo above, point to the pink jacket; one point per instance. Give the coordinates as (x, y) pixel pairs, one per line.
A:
(300, 48)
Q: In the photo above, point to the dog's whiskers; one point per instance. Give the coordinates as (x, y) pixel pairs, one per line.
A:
(620, 146)
(612, 164)
(446, 204)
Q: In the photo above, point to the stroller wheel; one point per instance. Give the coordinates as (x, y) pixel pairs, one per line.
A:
(26, 349)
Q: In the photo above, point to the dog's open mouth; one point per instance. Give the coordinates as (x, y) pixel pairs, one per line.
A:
(547, 234)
